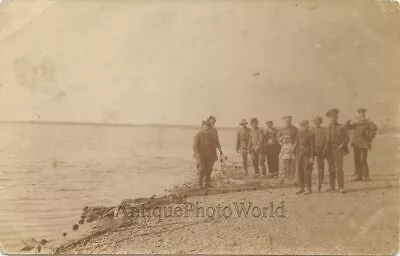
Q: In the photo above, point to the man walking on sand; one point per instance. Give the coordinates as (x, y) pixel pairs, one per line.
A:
(255, 148)
(336, 146)
(305, 151)
(319, 134)
(204, 153)
(272, 149)
(364, 132)
(242, 141)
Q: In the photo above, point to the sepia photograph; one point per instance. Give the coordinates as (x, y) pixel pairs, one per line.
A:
(258, 127)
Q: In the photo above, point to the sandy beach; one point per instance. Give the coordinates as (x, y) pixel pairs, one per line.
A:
(319, 223)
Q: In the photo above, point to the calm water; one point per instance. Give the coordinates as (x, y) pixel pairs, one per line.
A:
(48, 173)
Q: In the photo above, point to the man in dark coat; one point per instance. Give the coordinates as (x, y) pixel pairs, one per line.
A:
(255, 147)
(336, 146)
(319, 133)
(204, 153)
(272, 149)
(305, 151)
(364, 132)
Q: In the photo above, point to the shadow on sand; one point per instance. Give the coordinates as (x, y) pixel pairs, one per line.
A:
(370, 189)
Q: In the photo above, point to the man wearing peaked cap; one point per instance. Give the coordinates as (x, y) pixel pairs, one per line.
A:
(319, 134)
(318, 119)
(336, 146)
(288, 129)
(332, 112)
(243, 122)
(253, 121)
(242, 142)
(364, 132)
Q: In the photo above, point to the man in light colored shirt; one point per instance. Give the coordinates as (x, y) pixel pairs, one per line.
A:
(286, 158)
(242, 141)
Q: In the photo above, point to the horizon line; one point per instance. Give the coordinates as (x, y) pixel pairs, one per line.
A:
(80, 123)
(104, 124)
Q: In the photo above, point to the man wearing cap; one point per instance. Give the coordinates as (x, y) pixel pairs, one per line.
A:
(304, 151)
(288, 129)
(364, 132)
(336, 141)
(272, 149)
(204, 153)
(255, 148)
(242, 141)
(212, 120)
(319, 133)
(291, 131)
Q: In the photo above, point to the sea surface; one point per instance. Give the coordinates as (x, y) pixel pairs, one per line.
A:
(48, 172)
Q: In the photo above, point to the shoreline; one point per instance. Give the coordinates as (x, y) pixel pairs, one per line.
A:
(111, 218)
(115, 230)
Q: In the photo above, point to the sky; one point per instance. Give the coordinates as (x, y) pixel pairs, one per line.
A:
(178, 62)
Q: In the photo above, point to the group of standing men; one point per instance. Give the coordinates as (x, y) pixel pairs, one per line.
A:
(296, 149)
(291, 149)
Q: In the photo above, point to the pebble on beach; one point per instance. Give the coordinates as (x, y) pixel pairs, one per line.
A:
(75, 227)
(65, 234)
(43, 241)
(27, 248)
